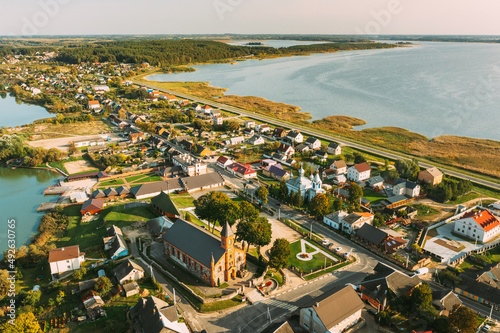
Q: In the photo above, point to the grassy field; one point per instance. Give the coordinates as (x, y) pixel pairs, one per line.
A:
(134, 178)
(148, 179)
(424, 211)
(53, 131)
(112, 182)
(374, 197)
(90, 234)
(316, 263)
(182, 201)
(464, 198)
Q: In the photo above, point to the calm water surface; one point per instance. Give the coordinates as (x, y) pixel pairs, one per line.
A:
(432, 88)
(15, 113)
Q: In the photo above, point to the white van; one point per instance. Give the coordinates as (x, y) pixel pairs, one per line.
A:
(421, 271)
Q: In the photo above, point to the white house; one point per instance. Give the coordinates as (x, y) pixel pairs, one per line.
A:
(234, 141)
(354, 221)
(224, 162)
(313, 143)
(334, 220)
(405, 187)
(94, 105)
(358, 172)
(480, 225)
(128, 271)
(295, 136)
(217, 120)
(262, 128)
(339, 166)
(286, 150)
(334, 148)
(256, 140)
(65, 259)
(249, 124)
(332, 312)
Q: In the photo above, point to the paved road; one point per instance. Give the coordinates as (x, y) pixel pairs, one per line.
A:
(317, 134)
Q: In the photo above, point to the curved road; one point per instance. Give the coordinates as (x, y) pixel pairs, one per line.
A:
(317, 134)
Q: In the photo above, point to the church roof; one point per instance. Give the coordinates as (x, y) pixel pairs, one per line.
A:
(226, 231)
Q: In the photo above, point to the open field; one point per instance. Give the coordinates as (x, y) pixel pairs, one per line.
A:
(79, 166)
(182, 201)
(316, 263)
(374, 197)
(53, 131)
(62, 142)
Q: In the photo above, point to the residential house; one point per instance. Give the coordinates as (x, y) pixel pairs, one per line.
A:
(358, 172)
(65, 260)
(190, 165)
(334, 220)
(262, 128)
(482, 287)
(115, 243)
(276, 171)
(248, 132)
(94, 305)
(152, 315)
(234, 141)
(279, 132)
(339, 166)
(302, 148)
(352, 222)
(99, 193)
(379, 239)
(94, 105)
(186, 145)
(136, 137)
(207, 181)
(430, 176)
(92, 206)
(223, 162)
(313, 143)
(128, 270)
(249, 124)
(201, 150)
(295, 136)
(217, 120)
(163, 204)
(130, 289)
(110, 192)
(158, 225)
(321, 154)
(286, 150)
(170, 171)
(405, 187)
(334, 149)
(243, 171)
(480, 225)
(384, 283)
(256, 140)
(329, 173)
(333, 312)
(160, 130)
(444, 301)
(207, 110)
(211, 259)
(376, 182)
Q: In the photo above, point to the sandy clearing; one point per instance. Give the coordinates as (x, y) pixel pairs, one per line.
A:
(78, 166)
(62, 143)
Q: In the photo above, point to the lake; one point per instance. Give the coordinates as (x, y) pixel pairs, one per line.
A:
(20, 195)
(431, 88)
(275, 43)
(15, 113)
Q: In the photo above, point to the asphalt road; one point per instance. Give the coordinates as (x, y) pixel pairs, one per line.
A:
(308, 131)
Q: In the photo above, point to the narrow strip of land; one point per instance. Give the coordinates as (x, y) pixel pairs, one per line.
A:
(309, 131)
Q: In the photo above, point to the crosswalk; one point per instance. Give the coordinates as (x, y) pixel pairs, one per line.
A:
(283, 305)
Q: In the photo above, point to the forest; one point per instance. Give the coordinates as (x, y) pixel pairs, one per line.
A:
(181, 52)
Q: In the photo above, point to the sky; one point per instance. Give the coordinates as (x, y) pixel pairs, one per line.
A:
(91, 17)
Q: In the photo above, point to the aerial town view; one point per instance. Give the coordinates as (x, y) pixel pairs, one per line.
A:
(249, 166)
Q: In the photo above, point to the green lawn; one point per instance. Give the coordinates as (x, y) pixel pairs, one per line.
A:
(424, 210)
(134, 178)
(464, 198)
(374, 197)
(316, 263)
(149, 179)
(90, 234)
(182, 201)
(117, 181)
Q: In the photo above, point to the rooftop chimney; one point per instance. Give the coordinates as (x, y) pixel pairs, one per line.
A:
(317, 304)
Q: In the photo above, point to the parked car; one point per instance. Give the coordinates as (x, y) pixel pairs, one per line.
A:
(324, 242)
(338, 249)
(372, 311)
(421, 271)
(486, 328)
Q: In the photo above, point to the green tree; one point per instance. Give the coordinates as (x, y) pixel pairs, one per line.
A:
(407, 168)
(25, 322)
(32, 298)
(355, 193)
(319, 205)
(60, 297)
(247, 211)
(278, 256)
(217, 208)
(358, 158)
(422, 295)
(262, 194)
(254, 232)
(379, 220)
(78, 274)
(283, 190)
(72, 149)
(463, 319)
(103, 285)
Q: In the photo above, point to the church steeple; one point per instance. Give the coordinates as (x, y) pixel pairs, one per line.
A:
(227, 237)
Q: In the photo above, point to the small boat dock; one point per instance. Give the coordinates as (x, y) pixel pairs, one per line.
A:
(56, 189)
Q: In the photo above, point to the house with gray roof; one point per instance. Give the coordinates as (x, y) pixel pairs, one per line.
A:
(128, 270)
(149, 190)
(152, 315)
(203, 182)
(158, 225)
(115, 243)
(406, 187)
(163, 204)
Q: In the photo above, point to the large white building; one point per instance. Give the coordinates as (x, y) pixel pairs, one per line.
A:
(308, 187)
(358, 172)
(65, 259)
(190, 165)
(480, 225)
